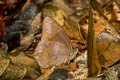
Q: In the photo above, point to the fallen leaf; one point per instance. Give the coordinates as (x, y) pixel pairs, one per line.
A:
(24, 60)
(3, 65)
(72, 28)
(2, 27)
(46, 74)
(69, 23)
(72, 66)
(108, 48)
(55, 13)
(4, 61)
(13, 73)
(62, 5)
(15, 28)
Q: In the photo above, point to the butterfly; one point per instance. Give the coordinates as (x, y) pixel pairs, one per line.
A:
(55, 46)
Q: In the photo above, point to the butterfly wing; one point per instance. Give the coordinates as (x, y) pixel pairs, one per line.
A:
(55, 47)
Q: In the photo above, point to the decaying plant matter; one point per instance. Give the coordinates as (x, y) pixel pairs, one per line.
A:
(59, 39)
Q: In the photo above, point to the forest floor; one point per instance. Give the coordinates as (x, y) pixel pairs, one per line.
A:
(47, 40)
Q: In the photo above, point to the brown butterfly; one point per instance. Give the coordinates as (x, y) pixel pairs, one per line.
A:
(55, 46)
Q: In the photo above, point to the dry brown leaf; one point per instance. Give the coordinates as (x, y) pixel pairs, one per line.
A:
(118, 1)
(72, 28)
(97, 7)
(55, 13)
(46, 74)
(26, 4)
(62, 5)
(3, 65)
(98, 26)
(2, 27)
(108, 48)
(22, 59)
(69, 23)
(103, 2)
(72, 66)
(14, 73)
